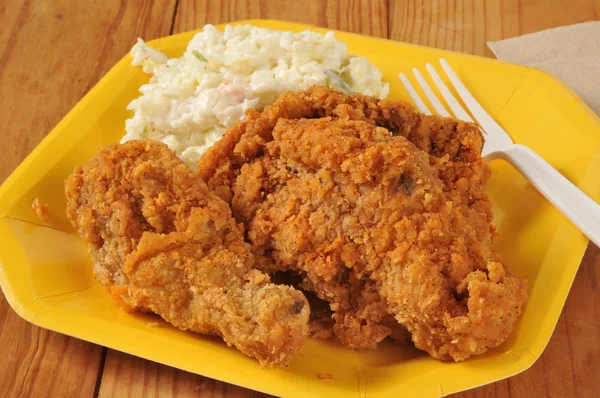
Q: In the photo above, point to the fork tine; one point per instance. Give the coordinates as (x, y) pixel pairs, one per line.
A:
(483, 118)
(450, 100)
(413, 94)
(437, 105)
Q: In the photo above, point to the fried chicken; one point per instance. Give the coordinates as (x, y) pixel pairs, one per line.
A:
(161, 242)
(381, 210)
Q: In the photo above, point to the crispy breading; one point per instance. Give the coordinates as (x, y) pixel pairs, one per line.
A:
(161, 242)
(455, 146)
(380, 209)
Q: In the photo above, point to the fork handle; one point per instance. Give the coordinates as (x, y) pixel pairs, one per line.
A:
(566, 197)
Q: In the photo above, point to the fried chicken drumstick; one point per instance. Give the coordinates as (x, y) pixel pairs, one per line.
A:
(381, 210)
(161, 242)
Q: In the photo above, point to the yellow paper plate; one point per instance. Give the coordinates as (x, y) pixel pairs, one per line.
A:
(46, 274)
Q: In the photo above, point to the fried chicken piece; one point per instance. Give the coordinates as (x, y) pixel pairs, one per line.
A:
(455, 146)
(381, 210)
(161, 242)
(299, 224)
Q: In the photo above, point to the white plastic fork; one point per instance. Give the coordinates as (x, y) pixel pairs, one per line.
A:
(566, 197)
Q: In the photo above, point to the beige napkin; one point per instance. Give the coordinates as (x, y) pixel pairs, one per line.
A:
(571, 53)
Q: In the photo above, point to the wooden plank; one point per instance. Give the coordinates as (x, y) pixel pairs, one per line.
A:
(129, 376)
(358, 16)
(466, 25)
(38, 362)
(51, 54)
(567, 366)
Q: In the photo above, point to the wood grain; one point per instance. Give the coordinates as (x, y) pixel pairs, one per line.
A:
(466, 25)
(38, 362)
(129, 376)
(365, 17)
(53, 52)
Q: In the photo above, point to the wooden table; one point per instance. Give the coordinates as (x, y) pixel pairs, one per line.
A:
(53, 51)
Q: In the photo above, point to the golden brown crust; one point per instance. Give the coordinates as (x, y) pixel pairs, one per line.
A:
(380, 209)
(161, 242)
(455, 146)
